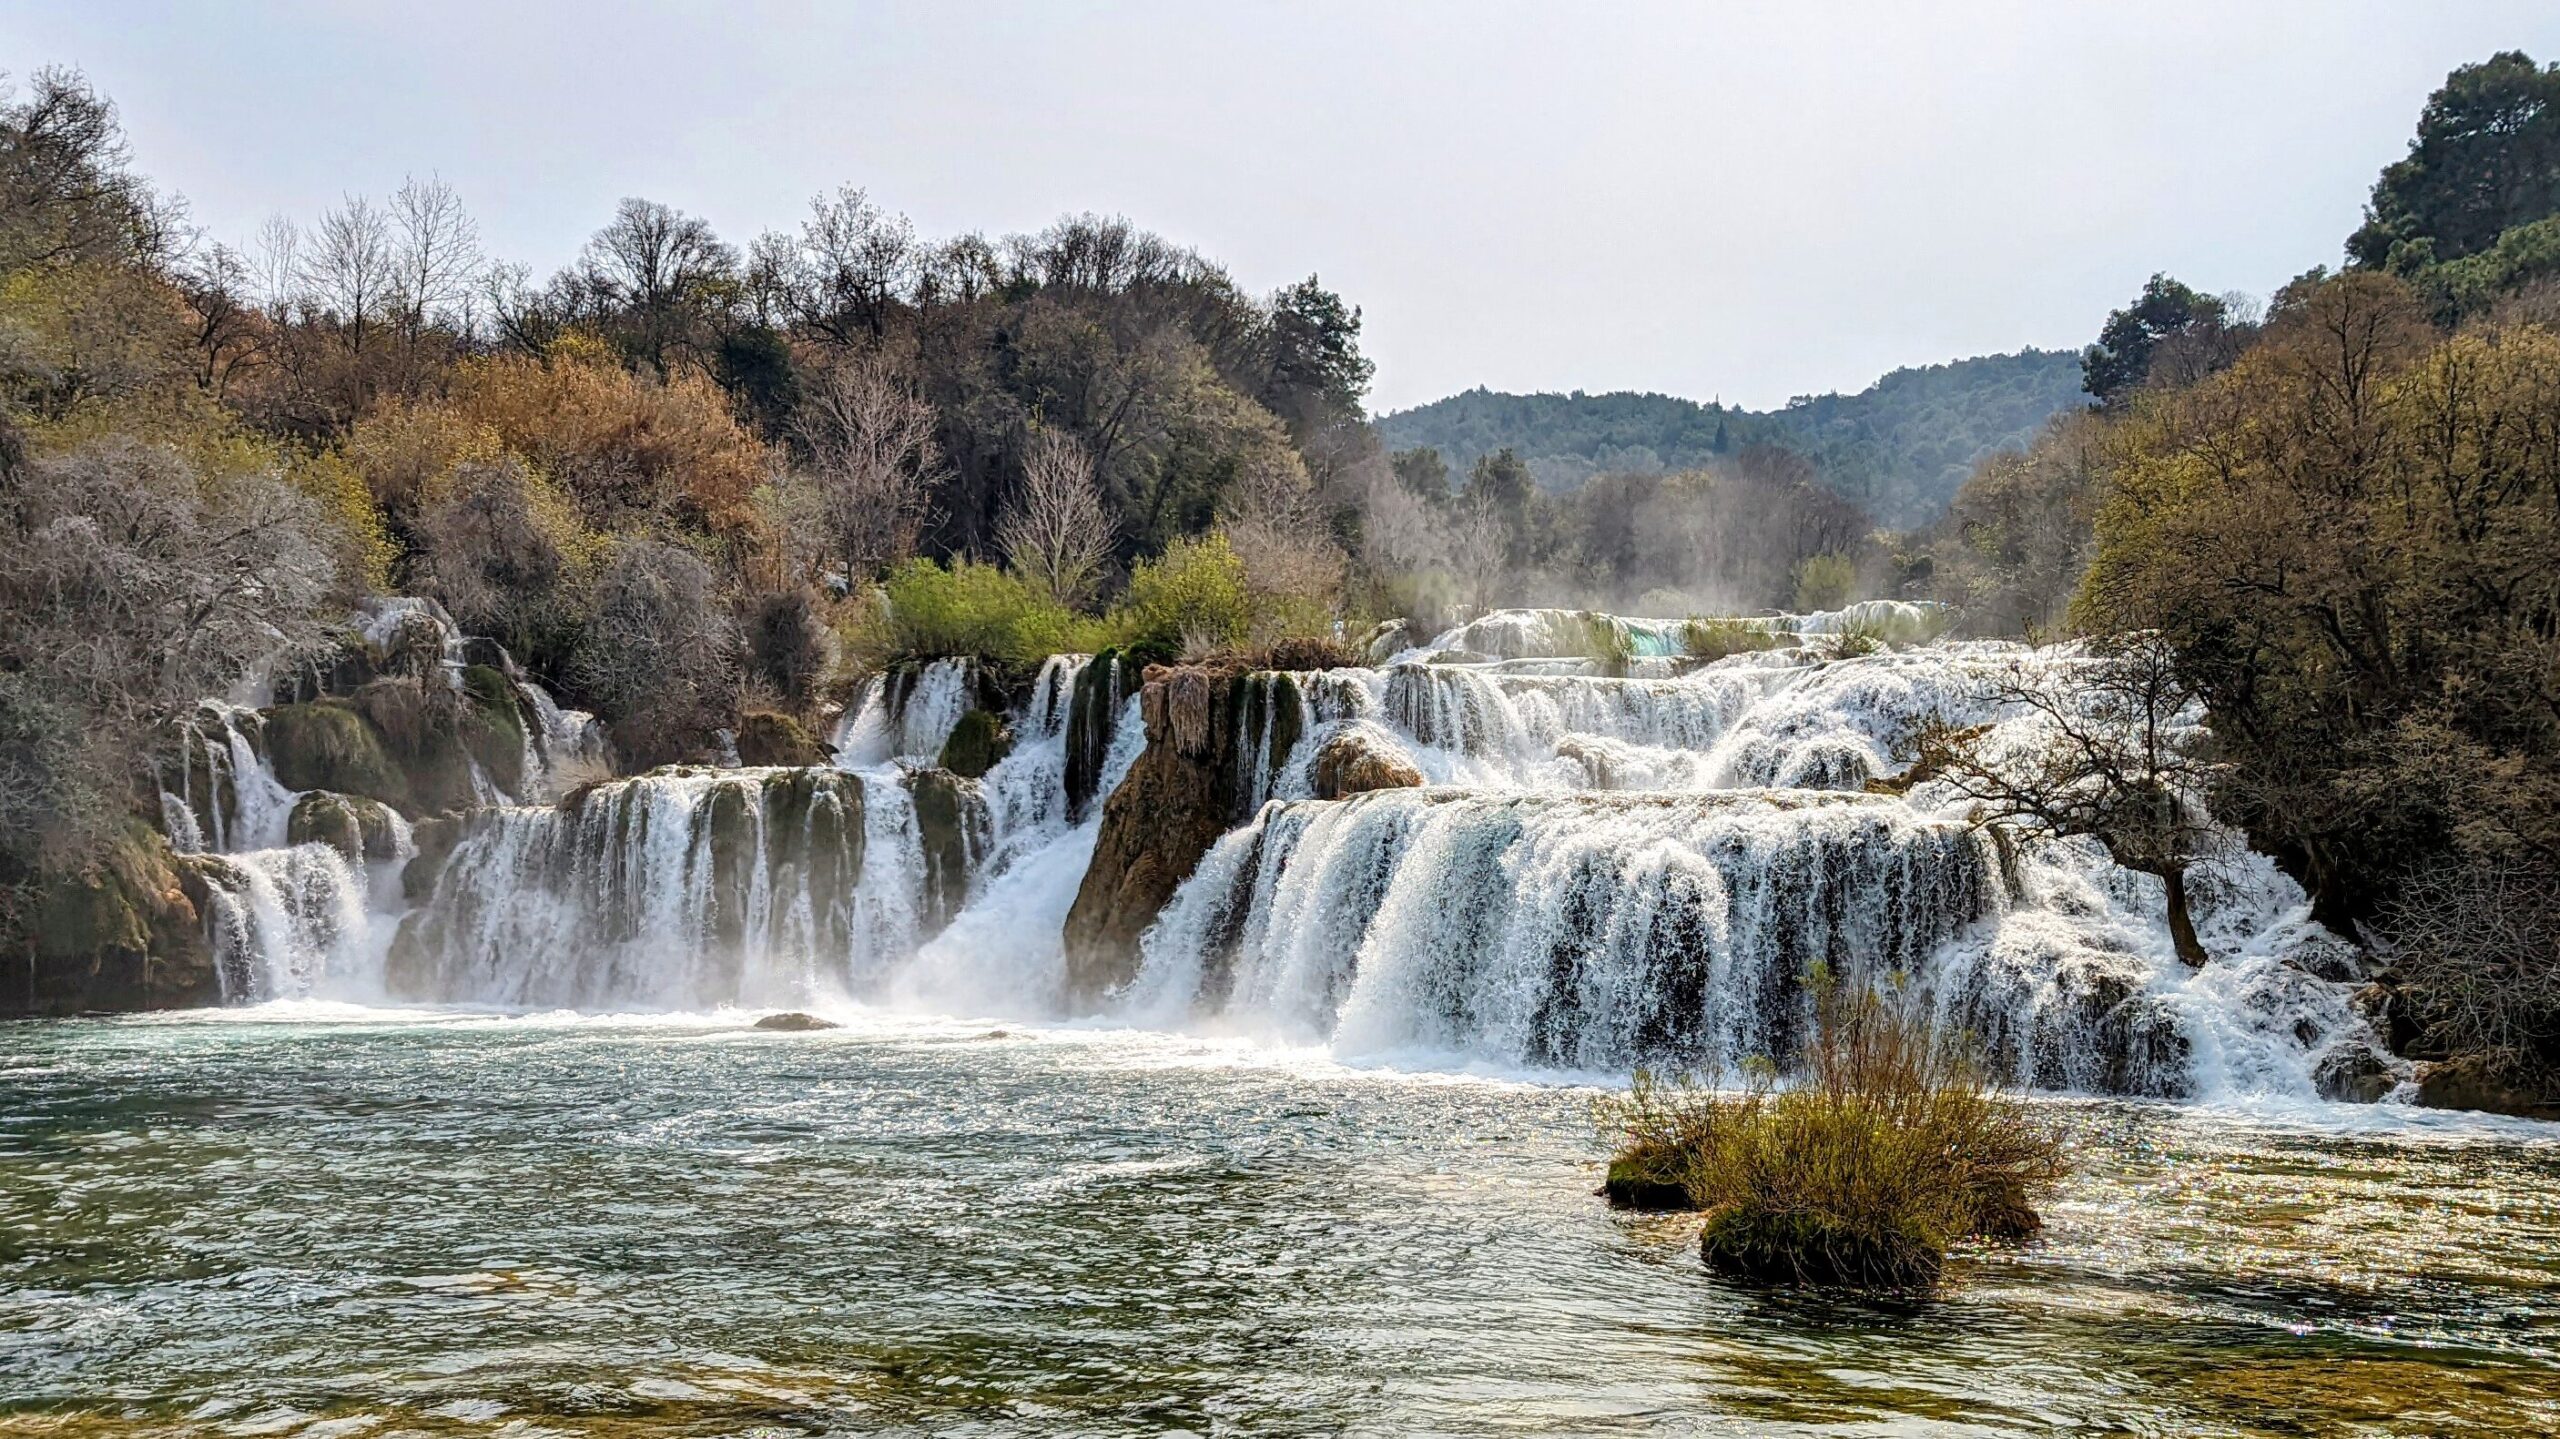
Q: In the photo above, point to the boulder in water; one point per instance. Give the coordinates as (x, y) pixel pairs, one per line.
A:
(795, 1021)
(1644, 1180)
(1179, 797)
(354, 826)
(124, 934)
(2474, 1081)
(2355, 1072)
(1354, 762)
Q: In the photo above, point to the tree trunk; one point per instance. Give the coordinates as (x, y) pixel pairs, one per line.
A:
(2182, 926)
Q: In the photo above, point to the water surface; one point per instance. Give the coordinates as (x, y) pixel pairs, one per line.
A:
(299, 1221)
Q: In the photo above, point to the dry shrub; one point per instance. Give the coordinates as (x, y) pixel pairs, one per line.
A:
(1893, 1145)
(2476, 947)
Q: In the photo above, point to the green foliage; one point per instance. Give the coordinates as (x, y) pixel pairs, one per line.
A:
(1191, 598)
(2486, 158)
(2473, 284)
(969, 609)
(1892, 1146)
(2121, 360)
(1899, 448)
(1706, 638)
(1825, 582)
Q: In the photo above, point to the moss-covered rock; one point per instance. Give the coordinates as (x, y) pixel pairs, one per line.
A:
(768, 738)
(1093, 709)
(977, 744)
(1645, 1180)
(124, 934)
(951, 820)
(354, 826)
(1770, 1246)
(493, 727)
(329, 744)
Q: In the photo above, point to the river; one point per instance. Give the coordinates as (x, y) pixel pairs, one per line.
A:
(328, 1220)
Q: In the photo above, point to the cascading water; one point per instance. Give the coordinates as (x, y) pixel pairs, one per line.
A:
(906, 713)
(1507, 913)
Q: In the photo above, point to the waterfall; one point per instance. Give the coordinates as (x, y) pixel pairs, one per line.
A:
(1610, 871)
(906, 712)
(287, 923)
(223, 795)
(680, 888)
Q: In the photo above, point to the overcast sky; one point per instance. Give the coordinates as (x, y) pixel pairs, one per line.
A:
(1749, 201)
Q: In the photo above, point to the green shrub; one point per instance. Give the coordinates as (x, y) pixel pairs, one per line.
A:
(1191, 597)
(1851, 640)
(1714, 639)
(1893, 1146)
(1825, 582)
(970, 610)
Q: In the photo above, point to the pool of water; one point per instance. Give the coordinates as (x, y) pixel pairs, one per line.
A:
(341, 1222)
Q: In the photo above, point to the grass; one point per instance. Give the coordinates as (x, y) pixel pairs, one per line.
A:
(1893, 1146)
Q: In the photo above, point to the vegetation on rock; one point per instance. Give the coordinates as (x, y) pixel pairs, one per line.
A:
(1892, 1147)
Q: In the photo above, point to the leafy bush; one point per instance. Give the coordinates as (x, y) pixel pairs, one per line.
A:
(1893, 1146)
(970, 610)
(1714, 639)
(1191, 597)
(1825, 582)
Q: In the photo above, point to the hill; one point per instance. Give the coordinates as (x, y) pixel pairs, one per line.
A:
(1899, 447)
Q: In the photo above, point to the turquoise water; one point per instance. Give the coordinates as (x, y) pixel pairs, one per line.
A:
(337, 1223)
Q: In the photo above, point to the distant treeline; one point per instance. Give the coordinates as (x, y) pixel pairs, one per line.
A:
(1896, 449)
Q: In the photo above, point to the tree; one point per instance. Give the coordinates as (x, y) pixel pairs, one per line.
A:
(1423, 474)
(67, 189)
(2486, 158)
(437, 252)
(2119, 760)
(656, 268)
(1318, 374)
(658, 659)
(1054, 532)
(857, 262)
(351, 269)
(2121, 360)
(870, 441)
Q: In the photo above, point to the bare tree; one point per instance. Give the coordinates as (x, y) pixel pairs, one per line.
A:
(226, 327)
(2121, 762)
(861, 260)
(660, 264)
(1054, 531)
(351, 268)
(278, 268)
(870, 440)
(439, 255)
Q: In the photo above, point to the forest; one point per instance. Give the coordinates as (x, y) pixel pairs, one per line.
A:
(702, 488)
(1897, 449)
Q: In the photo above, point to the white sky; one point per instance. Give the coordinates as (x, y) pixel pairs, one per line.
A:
(1740, 200)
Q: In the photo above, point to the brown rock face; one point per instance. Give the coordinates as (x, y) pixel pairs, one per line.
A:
(2471, 1082)
(1351, 763)
(126, 935)
(1179, 797)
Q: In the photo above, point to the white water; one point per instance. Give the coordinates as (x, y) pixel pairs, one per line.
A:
(1602, 871)
(1674, 918)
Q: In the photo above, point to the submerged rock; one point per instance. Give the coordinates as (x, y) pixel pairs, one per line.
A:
(795, 1021)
